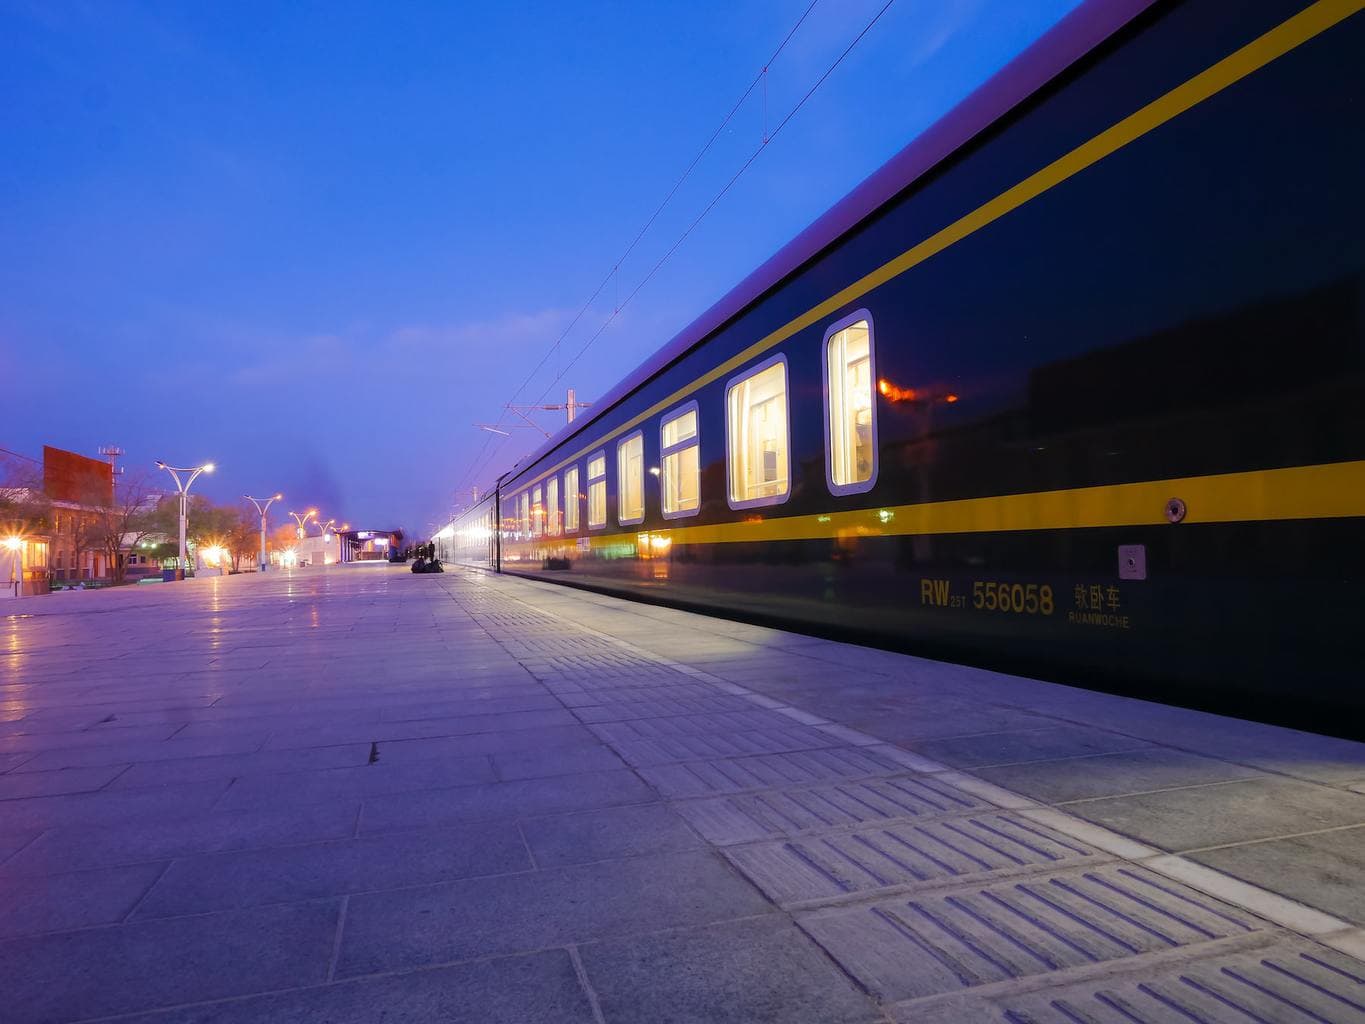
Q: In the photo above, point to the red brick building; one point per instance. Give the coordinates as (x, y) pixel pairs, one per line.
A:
(78, 487)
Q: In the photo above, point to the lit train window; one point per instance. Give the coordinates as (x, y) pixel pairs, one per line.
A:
(850, 405)
(680, 479)
(571, 500)
(630, 480)
(524, 519)
(537, 512)
(597, 491)
(552, 505)
(757, 454)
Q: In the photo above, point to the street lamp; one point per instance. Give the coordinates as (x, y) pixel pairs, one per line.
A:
(303, 517)
(184, 489)
(16, 565)
(262, 509)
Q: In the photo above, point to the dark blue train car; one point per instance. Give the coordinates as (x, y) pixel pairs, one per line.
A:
(1073, 386)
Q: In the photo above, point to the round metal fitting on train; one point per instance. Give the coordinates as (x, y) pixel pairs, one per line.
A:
(1175, 510)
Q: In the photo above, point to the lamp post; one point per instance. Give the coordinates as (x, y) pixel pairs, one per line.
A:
(183, 487)
(303, 517)
(15, 545)
(263, 509)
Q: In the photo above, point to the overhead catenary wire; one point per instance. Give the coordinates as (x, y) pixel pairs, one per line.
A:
(614, 274)
(721, 194)
(768, 137)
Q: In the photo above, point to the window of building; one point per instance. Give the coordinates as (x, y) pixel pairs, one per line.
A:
(850, 406)
(630, 480)
(537, 512)
(758, 457)
(571, 500)
(597, 491)
(680, 476)
(552, 505)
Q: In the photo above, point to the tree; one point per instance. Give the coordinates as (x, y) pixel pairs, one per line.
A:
(284, 538)
(244, 536)
(24, 506)
(123, 525)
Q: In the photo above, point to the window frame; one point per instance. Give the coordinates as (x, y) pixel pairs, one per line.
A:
(620, 483)
(862, 486)
(739, 378)
(590, 480)
(553, 522)
(577, 500)
(666, 450)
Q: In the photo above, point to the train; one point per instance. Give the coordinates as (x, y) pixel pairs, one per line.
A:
(1072, 387)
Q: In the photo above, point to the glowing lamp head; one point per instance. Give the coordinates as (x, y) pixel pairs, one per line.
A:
(208, 467)
(13, 543)
(278, 497)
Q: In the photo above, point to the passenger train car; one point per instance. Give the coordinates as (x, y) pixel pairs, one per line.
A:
(1073, 386)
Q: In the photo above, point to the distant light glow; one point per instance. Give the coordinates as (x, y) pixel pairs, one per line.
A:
(13, 543)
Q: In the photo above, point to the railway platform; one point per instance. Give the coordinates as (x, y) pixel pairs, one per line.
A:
(356, 794)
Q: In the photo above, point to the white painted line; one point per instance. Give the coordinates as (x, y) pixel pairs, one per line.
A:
(986, 791)
(1284, 912)
(1352, 943)
(804, 717)
(1091, 835)
(730, 688)
(912, 761)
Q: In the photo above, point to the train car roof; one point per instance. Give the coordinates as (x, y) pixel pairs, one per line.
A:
(1075, 35)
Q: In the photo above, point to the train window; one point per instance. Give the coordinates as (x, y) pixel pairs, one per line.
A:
(597, 491)
(571, 500)
(680, 480)
(524, 519)
(630, 480)
(757, 453)
(552, 505)
(850, 405)
(537, 512)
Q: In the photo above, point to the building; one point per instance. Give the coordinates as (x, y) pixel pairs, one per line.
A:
(370, 545)
(80, 490)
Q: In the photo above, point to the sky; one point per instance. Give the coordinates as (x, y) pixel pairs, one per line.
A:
(318, 243)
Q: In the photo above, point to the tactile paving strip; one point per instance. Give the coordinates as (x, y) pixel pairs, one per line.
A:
(836, 864)
(1288, 983)
(969, 936)
(745, 720)
(729, 744)
(616, 706)
(600, 671)
(556, 645)
(624, 696)
(792, 812)
(769, 771)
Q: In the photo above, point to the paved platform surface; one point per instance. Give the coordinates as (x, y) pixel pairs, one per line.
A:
(358, 795)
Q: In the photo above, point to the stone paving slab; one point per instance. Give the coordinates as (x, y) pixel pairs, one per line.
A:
(355, 794)
(95, 972)
(508, 990)
(553, 907)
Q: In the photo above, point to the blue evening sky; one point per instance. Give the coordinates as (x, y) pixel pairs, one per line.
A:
(318, 242)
